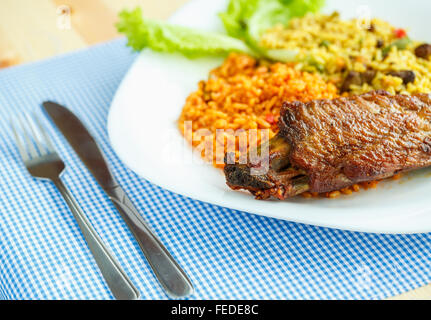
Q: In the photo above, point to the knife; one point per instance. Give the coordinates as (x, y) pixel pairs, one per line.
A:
(173, 279)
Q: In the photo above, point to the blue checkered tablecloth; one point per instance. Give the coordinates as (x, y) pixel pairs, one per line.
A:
(228, 254)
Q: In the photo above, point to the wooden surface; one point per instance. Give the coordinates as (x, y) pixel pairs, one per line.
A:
(31, 30)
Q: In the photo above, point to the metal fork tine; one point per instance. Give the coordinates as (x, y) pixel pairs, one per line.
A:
(27, 138)
(42, 130)
(19, 144)
(36, 134)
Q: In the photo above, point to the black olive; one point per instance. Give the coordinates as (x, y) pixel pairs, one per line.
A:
(368, 76)
(408, 76)
(423, 51)
(352, 77)
(358, 79)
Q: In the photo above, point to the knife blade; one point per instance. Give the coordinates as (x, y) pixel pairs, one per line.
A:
(173, 279)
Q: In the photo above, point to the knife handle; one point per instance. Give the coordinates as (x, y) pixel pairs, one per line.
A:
(173, 279)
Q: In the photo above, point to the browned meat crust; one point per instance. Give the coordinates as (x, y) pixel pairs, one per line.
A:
(333, 144)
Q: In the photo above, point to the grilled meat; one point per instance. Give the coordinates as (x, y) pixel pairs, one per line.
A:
(327, 145)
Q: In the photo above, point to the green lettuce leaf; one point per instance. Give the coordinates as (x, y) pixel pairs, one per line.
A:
(164, 37)
(248, 19)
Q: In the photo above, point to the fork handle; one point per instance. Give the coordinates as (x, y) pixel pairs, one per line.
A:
(117, 280)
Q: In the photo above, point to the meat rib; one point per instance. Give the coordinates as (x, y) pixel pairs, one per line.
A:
(326, 145)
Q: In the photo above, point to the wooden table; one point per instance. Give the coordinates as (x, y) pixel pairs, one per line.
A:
(31, 30)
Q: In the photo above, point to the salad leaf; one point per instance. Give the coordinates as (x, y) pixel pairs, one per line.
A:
(235, 18)
(248, 19)
(164, 37)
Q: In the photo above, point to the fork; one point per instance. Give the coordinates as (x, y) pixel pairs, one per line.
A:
(43, 162)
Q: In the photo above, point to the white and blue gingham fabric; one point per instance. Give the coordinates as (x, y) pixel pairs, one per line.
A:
(227, 254)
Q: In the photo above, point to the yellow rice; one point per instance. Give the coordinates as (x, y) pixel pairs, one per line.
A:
(333, 47)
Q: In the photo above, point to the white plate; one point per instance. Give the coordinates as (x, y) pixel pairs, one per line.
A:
(143, 132)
